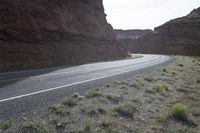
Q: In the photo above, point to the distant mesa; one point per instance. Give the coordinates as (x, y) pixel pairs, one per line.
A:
(131, 34)
(180, 36)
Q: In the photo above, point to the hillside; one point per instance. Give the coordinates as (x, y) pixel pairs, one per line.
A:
(43, 33)
(179, 36)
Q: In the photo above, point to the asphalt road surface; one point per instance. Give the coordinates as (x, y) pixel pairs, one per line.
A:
(25, 93)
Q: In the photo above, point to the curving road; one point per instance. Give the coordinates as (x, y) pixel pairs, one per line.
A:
(25, 91)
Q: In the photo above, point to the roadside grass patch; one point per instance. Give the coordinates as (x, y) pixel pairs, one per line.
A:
(113, 97)
(93, 93)
(35, 127)
(179, 111)
(59, 121)
(6, 124)
(126, 110)
(148, 78)
(108, 126)
(160, 87)
(70, 102)
(137, 84)
(94, 110)
(58, 109)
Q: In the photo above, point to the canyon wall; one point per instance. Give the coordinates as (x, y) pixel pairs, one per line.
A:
(42, 33)
(179, 37)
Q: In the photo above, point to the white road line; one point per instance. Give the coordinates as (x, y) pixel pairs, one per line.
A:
(76, 83)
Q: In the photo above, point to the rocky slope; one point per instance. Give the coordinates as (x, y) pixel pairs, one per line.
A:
(179, 36)
(44, 33)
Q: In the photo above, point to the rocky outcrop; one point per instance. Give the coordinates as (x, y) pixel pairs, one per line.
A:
(131, 34)
(180, 36)
(40, 33)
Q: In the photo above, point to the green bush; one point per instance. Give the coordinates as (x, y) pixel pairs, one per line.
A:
(179, 111)
(164, 70)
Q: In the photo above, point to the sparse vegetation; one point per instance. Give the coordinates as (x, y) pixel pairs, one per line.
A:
(148, 78)
(179, 111)
(58, 109)
(70, 102)
(35, 127)
(59, 121)
(113, 97)
(88, 126)
(126, 110)
(160, 87)
(93, 93)
(75, 95)
(6, 124)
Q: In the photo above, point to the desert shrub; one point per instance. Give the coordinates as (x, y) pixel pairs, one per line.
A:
(180, 65)
(164, 70)
(35, 127)
(126, 110)
(59, 121)
(179, 111)
(159, 87)
(58, 109)
(93, 93)
(75, 95)
(88, 126)
(113, 97)
(71, 102)
(148, 78)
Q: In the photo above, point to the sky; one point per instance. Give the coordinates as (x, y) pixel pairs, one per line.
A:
(145, 14)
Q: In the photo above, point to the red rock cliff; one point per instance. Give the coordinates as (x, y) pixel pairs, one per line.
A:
(37, 33)
(179, 36)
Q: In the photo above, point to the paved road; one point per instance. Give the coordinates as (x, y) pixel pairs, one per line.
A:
(23, 92)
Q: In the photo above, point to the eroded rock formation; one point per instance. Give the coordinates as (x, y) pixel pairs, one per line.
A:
(40, 33)
(179, 36)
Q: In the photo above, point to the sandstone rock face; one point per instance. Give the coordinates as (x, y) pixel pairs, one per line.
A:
(40, 33)
(180, 36)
